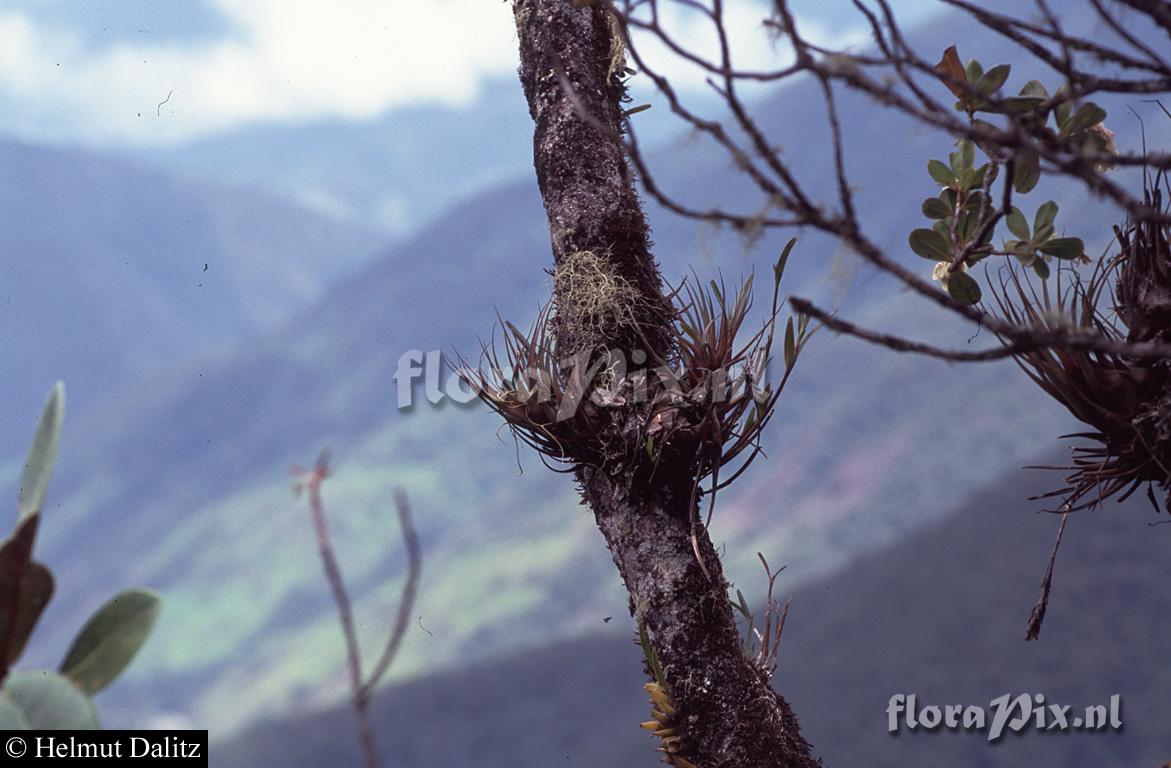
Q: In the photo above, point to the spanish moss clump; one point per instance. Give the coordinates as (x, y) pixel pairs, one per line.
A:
(595, 306)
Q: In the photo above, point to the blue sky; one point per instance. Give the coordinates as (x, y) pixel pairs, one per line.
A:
(96, 71)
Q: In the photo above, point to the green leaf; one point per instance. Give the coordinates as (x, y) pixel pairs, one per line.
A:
(974, 71)
(111, 638)
(790, 345)
(1045, 216)
(1041, 267)
(941, 173)
(651, 656)
(1013, 105)
(1064, 248)
(1022, 249)
(779, 267)
(1036, 89)
(1063, 110)
(929, 244)
(977, 177)
(934, 208)
(742, 606)
(11, 718)
(963, 288)
(963, 158)
(1027, 172)
(50, 702)
(966, 226)
(991, 80)
(1086, 116)
(972, 200)
(38, 466)
(1017, 223)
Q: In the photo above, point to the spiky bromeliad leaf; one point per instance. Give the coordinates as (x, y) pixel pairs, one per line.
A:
(779, 267)
(110, 639)
(651, 655)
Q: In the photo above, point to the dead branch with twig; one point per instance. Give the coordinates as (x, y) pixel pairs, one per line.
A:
(361, 689)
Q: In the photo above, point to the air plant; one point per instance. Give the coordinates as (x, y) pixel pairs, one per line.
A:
(1125, 400)
(728, 421)
(762, 644)
(703, 409)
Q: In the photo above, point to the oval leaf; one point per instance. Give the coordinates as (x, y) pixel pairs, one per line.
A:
(1014, 105)
(50, 702)
(941, 173)
(974, 71)
(110, 639)
(1041, 267)
(1017, 223)
(1087, 115)
(1046, 214)
(38, 466)
(1027, 173)
(1064, 108)
(934, 208)
(929, 244)
(991, 80)
(1036, 89)
(963, 288)
(951, 72)
(1064, 248)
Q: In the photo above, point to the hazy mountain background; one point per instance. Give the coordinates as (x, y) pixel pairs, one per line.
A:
(940, 614)
(193, 391)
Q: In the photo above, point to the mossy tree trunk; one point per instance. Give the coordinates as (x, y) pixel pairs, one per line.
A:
(728, 715)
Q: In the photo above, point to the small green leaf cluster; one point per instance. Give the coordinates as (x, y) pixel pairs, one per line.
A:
(1034, 245)
(61, 699)
(965, 217)
(958, 212)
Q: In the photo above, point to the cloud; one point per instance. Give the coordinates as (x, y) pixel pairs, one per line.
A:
(283, 60)
(288, 60)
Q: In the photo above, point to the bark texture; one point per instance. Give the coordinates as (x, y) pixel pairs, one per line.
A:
(729, 716)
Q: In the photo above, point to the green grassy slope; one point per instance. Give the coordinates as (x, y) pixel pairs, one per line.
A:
(941, 614)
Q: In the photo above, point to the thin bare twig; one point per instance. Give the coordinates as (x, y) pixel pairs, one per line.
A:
(410, 589)
(310, 481)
